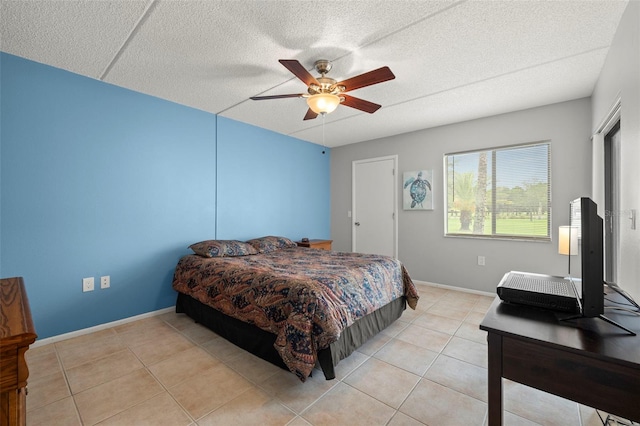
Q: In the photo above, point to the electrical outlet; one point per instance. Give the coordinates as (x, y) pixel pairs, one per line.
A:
(105, 282)
(480, 260)
(87, 284)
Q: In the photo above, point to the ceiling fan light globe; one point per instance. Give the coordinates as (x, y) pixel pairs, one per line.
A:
(323, 103)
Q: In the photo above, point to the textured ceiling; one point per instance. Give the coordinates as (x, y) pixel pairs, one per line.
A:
(453, 60)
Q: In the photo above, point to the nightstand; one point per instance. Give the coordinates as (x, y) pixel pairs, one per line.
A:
(316, 244)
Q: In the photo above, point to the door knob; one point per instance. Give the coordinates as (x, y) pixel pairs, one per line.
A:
(357, 224)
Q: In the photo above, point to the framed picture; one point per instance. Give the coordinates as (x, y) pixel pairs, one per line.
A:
(417, 193)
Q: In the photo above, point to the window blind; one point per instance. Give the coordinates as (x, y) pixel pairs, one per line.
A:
(500, 192)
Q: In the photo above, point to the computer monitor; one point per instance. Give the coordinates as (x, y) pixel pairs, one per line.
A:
(584, 217)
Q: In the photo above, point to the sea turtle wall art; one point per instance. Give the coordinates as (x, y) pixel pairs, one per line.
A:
(417, 193)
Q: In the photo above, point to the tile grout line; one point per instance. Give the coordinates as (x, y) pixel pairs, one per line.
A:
(198, 345)
(166, 390)
(230, 366)
(143, 367)
(367, 357)
(66, 379)
(440, 353)
(128, 347)
(421, 377)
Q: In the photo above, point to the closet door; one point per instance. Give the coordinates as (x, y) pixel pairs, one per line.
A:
(374, 206)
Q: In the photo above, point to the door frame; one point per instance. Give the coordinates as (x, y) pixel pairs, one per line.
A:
(611, 251)
(354, 215)
(611, 204)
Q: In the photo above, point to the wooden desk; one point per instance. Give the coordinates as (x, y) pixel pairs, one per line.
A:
(16, 334)
(587, 360)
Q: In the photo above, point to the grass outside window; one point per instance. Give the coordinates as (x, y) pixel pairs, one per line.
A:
(501, 192)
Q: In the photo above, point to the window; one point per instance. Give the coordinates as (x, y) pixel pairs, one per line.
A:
(500, 193)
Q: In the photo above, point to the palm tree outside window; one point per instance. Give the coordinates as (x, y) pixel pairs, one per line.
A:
(500, 192)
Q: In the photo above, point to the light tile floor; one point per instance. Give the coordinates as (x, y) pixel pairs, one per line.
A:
(429, 367)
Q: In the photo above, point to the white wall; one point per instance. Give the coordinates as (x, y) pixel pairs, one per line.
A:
(427, 254)
(620, 77)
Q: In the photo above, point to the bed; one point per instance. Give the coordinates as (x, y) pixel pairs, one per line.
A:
(294, 307)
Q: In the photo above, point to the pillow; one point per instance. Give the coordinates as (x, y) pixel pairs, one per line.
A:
(220, 248)
(271, 243)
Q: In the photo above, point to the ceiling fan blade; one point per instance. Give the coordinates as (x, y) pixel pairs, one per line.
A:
(262, 98)
(310, 115)
(360, 104)
(299, 71)
(367, 79)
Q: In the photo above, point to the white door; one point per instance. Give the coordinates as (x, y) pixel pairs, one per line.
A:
(374, 206)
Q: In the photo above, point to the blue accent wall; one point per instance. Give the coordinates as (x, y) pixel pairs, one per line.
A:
(99, 180)
(270, 184)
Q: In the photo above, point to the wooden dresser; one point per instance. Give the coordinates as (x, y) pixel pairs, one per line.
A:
(16, 334)
(316, 244)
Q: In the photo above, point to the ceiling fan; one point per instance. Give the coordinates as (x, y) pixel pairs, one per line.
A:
(324, 94)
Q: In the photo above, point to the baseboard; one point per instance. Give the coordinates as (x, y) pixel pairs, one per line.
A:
(65, 336)
(454, 288)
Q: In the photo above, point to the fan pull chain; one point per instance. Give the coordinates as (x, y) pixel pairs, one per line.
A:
(323, 144)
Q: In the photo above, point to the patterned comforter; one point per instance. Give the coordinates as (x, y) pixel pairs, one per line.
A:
(306, 297)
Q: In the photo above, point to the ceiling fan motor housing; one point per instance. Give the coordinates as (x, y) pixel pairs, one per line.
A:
(327, 85)
(323, 66)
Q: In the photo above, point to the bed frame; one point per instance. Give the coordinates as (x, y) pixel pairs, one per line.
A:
(260, 342)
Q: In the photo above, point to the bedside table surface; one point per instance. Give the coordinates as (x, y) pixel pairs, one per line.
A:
(316, 243)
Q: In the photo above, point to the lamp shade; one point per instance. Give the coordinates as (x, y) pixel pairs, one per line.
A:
(568, 240)
(323, 103)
